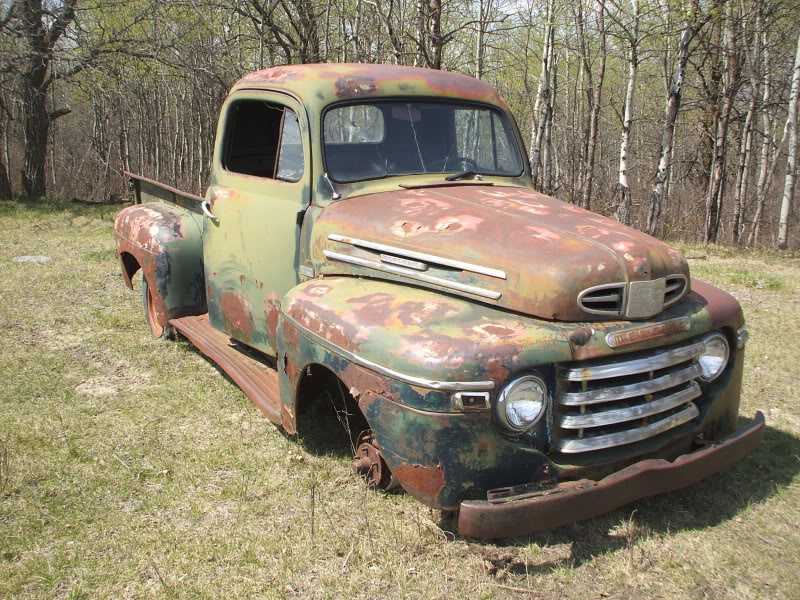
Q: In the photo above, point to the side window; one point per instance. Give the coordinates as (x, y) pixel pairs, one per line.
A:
(290, 156)
(263, 139)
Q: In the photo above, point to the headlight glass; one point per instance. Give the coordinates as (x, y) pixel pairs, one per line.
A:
(522, 403)
(715, 357)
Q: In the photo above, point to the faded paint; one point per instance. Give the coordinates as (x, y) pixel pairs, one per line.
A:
(541, 243)
(540, 254)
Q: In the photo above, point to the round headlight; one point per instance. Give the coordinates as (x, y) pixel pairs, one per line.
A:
(522, 403)
(715, 357)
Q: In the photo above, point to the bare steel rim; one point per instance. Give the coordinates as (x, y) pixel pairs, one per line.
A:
(369, 464)
(149, 306)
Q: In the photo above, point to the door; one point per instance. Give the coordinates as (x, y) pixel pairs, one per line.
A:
(251, 236)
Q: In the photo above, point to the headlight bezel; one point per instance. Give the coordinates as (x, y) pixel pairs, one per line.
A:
(714, 336)
(503, 398)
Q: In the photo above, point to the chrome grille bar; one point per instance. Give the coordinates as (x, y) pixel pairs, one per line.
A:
(632, 390)
(621, 415)
(619, 367)
(599, 442)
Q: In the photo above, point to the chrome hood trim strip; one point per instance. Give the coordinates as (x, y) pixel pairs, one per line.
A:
(429, 258)
(411, 274)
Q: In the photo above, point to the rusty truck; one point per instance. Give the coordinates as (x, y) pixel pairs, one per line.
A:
(373, 230)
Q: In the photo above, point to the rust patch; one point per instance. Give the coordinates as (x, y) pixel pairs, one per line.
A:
(581, 336)
(291, 334)
(291, 369)
(375, 309)
(423, 481)
(497, 372)
(418, 313)
(236, 313)
(287, 419)
(362, 380)
(272, 312)
(355, 87)
(325, 323)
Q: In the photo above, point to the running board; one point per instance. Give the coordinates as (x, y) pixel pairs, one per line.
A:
(256, 379)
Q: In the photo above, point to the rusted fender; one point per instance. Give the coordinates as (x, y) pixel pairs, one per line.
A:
(534, 253)
(165, 241)
(528, 509)
(442, 338)
(421, 334)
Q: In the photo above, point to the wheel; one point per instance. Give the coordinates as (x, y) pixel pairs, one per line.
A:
(369, 464)
(166, 332)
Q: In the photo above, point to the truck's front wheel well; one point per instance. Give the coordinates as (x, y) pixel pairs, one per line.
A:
(329, 419)
(129, 267)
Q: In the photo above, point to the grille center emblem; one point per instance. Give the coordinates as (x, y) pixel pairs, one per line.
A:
(645, 298)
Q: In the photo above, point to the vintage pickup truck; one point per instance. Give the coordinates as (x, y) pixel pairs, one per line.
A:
(372, 231)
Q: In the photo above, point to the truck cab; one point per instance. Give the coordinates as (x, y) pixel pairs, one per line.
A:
(498, 352)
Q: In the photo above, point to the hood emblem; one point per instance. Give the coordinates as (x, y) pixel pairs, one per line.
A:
(645, 298)
(626, 337)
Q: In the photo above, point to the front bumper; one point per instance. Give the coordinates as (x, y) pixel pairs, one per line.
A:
(528, 509)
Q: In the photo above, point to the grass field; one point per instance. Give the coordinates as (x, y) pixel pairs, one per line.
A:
(131, 468)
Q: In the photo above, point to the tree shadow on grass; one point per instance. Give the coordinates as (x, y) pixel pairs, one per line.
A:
(707, 504)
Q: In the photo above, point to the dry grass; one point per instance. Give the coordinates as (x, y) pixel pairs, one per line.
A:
(131, 468)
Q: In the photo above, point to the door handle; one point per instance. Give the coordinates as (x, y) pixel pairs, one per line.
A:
(206, 206)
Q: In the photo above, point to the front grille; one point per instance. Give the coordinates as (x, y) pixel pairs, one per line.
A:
(674, 290)
(635, 300)
(621, 400)
(603, 299)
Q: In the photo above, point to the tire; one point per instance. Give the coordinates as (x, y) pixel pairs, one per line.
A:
(166, 332)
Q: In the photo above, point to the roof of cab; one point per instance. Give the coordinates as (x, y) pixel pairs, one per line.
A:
(322, 84)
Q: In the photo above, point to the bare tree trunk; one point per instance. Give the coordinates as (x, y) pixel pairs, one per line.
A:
(767, 124)
(594, 117)
(746, 145)
(623, 212)
(543, 102)
(670, 117)
(657, 196)
(716, 187)
(5, 183)
(791, 161)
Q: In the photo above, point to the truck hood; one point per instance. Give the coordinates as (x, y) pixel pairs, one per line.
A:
(506, 246)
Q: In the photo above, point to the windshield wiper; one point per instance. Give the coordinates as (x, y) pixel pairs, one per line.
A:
(463, 175)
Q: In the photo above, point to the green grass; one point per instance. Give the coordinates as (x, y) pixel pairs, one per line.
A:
(130, 467)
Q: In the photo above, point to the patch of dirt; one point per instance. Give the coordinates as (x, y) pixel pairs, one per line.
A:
(115, 373)
(97, 386)
(501, 562)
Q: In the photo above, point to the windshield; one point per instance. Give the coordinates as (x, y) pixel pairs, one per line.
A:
(382, 139)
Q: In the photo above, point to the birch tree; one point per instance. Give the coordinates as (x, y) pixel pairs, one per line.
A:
(693, 23)
(791, 161)
(630, 32)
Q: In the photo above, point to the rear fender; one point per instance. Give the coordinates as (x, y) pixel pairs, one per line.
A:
(165, 242)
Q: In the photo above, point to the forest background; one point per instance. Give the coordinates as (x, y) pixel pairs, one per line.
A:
(678, 117)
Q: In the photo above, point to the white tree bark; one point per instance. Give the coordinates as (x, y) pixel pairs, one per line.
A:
(623, 212)
(670, 117)
(791, 161)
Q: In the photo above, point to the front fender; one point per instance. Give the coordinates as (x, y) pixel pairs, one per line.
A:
(165, 241)
(429, 341)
